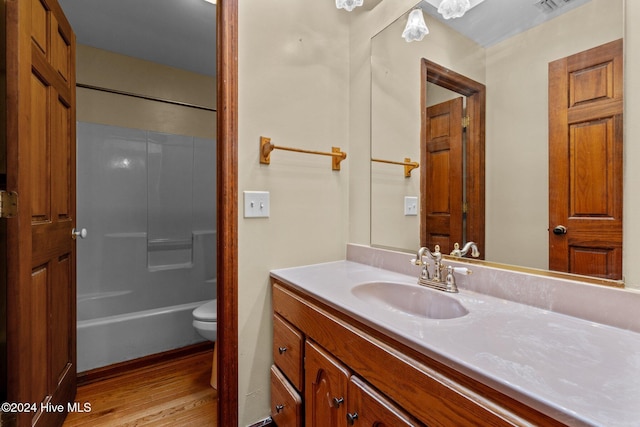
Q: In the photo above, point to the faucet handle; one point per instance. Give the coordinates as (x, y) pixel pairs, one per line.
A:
(462, 270)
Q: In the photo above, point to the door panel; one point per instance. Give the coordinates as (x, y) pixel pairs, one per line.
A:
(444, 170)
(41, 169)
(585, 162)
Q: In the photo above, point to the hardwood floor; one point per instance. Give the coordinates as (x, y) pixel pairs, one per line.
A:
(170, 393)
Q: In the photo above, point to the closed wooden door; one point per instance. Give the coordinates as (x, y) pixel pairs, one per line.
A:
(41, 257)
(442, 191)
(325, 388)
(585, 162)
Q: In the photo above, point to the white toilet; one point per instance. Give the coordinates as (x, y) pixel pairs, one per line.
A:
(205, 320)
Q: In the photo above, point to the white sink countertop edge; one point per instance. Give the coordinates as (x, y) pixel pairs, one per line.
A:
(574, 370)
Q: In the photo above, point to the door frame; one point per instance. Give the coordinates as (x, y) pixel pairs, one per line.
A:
(430, 72)
(227, 210)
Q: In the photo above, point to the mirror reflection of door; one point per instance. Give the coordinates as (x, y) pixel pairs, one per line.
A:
(453, 178)
(444, 199)
(585, 162)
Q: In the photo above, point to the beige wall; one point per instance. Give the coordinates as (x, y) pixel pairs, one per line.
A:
(293, 88)
(630, 263)
(97, 67)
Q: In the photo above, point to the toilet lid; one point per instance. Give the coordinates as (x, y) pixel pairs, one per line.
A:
(207, 312)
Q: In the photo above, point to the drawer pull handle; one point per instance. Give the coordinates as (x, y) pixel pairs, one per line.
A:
(351, 418)
(279, 408)
(337, 401)
(281, 350)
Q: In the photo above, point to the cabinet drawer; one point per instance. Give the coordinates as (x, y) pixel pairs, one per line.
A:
(286, 404)
(287, 350)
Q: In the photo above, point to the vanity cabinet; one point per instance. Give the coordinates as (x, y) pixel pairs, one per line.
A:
(333, 396)
(355, 375)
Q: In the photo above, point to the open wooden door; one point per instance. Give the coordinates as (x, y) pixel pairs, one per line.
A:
(585, 162)
(443, 165)
(41, 258)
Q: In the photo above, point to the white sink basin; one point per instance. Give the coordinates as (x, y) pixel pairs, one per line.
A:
(410, 299)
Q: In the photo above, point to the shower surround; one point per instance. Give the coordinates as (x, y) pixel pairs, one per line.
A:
(148, 202)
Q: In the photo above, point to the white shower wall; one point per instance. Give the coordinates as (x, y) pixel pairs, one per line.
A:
(148, 202)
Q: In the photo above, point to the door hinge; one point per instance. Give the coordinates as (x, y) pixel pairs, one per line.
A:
(8, 204)
(465, 122)
(465, 207)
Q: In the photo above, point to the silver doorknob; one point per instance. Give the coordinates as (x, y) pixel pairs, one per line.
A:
(560, 229)
(82, 233)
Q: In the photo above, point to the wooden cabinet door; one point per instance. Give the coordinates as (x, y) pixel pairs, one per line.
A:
(41, 256)
(367, 408)
(325, 390)
(585, 162)
(442, 192)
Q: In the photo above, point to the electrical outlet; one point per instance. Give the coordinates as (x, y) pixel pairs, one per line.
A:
(256, 204)
(410, 206)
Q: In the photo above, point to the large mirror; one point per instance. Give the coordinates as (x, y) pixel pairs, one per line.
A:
(514, 66)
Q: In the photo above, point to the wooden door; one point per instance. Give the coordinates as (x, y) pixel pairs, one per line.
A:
(325, 386)
(41, 169)
(368, 408)
(443, 195)
(585, 162)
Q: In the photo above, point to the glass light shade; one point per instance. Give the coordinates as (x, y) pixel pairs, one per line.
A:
(348, 5)
(453, 8)
(415, 29)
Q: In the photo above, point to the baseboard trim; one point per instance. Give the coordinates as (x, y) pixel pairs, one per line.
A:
(264, 423)
(105, 372)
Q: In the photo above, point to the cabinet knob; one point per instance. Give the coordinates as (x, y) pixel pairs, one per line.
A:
(279, 408)
(351, 418)
(281, 350)
(337, 401)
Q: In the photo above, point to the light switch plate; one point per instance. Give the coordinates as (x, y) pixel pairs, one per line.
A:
(410, 206)
(256, 204)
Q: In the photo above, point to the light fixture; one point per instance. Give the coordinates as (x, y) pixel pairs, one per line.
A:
(416, 29)
(348, 5)
(211, 1)
(453, 8)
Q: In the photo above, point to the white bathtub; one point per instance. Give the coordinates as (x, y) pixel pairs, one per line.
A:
(107, 340)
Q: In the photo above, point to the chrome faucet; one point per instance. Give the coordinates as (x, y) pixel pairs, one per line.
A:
(435, 280)
(457, 252)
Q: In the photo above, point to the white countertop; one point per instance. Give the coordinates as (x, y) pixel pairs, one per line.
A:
(576, 371)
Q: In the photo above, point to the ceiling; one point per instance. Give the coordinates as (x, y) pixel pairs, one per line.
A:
(492, 21)
(182, 33)
(177, 33)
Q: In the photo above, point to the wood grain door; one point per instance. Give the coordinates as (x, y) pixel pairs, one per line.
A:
(41, 169)
(325, 386)
(585, 162)
(442, 192)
